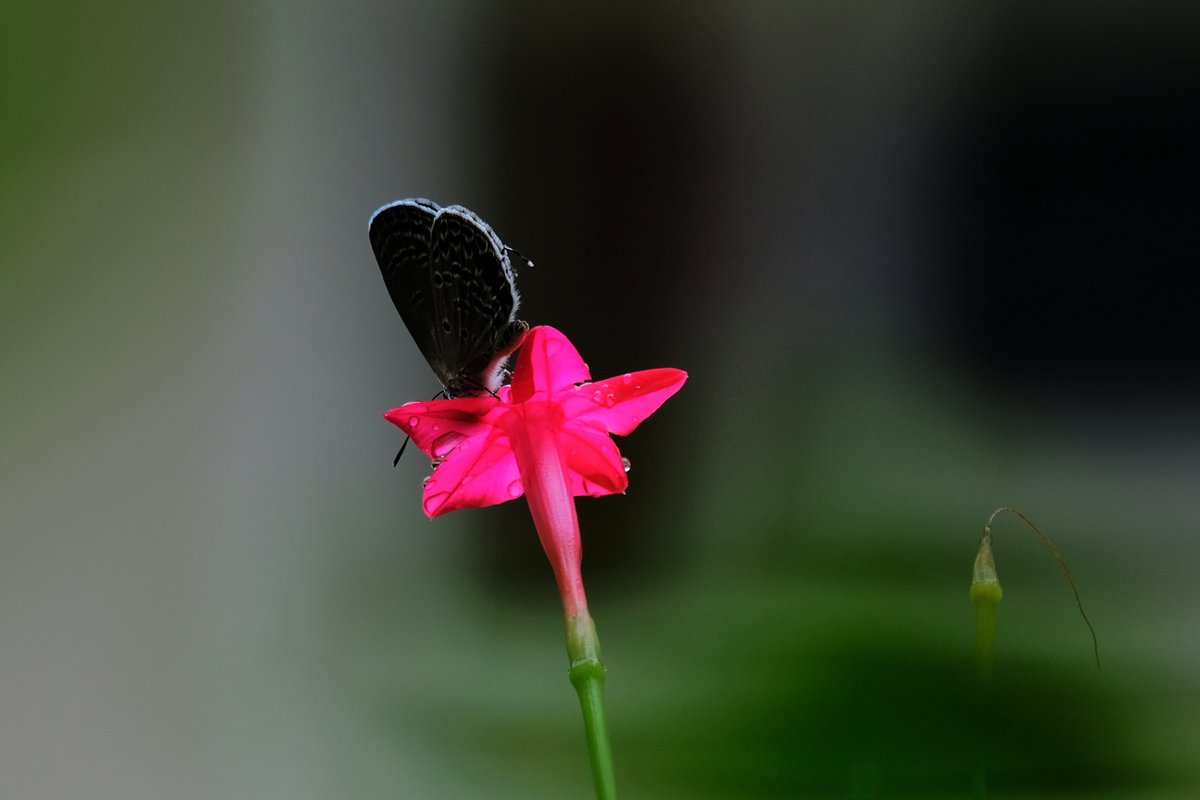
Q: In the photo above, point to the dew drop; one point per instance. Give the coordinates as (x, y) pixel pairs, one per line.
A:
(609, 399)
(627, 378)
(515, 489)
(413, 421)
(625, 463)
(597, 396)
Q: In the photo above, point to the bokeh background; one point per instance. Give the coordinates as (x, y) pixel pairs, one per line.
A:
(921, 260)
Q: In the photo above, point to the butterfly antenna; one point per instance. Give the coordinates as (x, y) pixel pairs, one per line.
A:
(408, 439)
(514, 251)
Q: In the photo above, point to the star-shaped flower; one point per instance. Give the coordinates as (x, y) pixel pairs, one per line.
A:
(545, 436)
(476, 440)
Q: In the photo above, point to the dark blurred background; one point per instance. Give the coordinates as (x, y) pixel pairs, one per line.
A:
(920, 261)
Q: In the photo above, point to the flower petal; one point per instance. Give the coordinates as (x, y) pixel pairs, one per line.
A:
(547, 364)
(593, 462)
(479, 472)
(437, 426)
(620, 404)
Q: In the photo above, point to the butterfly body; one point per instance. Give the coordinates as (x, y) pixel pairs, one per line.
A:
(450, 277)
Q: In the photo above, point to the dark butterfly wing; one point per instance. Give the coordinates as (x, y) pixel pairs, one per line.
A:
(450, 278)
(475, 301)
(400, 237)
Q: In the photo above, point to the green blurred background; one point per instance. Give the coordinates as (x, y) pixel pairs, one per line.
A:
(920, 260)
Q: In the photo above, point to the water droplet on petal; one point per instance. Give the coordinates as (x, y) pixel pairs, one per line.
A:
(436, 427)
(597, 396)
(627, 378)
(515, 489)
(625, 463)
(413, 421)
(609, 399)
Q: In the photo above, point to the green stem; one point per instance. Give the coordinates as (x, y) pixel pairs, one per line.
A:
(587, 676)
(985, 595)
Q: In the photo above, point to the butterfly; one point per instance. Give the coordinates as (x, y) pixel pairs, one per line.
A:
(453, 283)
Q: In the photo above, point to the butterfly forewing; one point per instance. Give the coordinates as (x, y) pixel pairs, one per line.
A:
(399, 235)
(452, 282)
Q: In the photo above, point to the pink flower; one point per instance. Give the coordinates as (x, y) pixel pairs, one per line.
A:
(546, 436)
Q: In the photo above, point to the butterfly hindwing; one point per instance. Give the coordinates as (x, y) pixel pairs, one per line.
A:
(475, 297)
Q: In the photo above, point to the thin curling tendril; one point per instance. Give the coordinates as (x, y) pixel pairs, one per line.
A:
(1062, 562)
